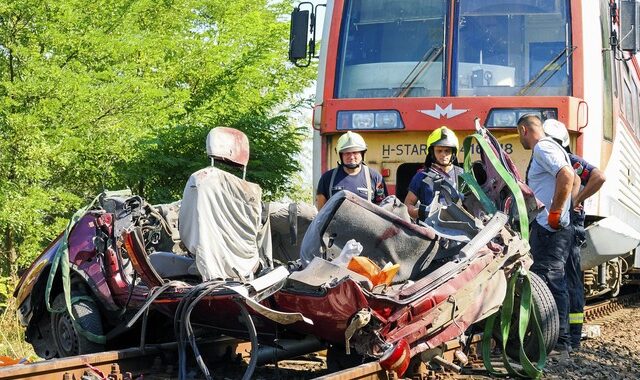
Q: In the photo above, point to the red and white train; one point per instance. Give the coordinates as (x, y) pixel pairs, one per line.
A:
(394, 70)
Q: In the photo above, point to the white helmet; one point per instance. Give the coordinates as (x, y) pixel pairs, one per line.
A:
(351, 142)
(556, 130)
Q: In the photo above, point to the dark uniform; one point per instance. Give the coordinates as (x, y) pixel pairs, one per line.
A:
(423, 191)
(572, 269)
(371, 187)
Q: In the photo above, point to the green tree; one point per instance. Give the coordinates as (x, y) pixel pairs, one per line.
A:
(114, 93)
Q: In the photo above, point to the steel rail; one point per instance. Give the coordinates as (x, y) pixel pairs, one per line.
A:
(129, 363)
(366, 371)
(103, 364)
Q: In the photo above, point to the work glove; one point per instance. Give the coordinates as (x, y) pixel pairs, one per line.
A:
(554, 219)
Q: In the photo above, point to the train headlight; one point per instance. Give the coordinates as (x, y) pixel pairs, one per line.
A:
(508, 117)
(362, 120)
(387, 120)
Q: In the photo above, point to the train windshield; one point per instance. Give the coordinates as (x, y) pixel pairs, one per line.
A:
(391, 48)
(509, 48)
(397, 48)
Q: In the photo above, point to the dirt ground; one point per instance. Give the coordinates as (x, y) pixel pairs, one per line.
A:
(613, 355)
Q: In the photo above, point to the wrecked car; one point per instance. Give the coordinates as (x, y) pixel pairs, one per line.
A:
(210, 261)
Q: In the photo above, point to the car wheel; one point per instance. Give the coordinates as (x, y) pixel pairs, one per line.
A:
(549, 321)
(68, 340)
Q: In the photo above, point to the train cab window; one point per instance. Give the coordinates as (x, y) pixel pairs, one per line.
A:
(403, 177)
(636, 110)
(391, 48)
(507, 48)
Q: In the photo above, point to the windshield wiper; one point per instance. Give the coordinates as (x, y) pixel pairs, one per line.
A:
(547, 69)
(429, 57)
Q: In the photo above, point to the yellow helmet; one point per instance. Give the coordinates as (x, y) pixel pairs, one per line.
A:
(443, 136)
(351, 142)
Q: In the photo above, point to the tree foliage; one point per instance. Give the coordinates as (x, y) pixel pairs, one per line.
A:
(115, 93)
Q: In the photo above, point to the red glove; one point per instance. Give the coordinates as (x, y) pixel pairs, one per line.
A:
(554, 219)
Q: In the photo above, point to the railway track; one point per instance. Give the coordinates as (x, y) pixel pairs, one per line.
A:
(373, 371)
(601, 309)
(115, 365)
(152, 361)
(367, 371)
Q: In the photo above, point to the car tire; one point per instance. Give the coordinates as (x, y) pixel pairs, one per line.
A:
(549, 321)
(68, 340)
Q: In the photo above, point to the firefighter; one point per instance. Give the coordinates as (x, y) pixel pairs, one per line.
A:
(551, 178)
(352, 173)
(440, 164)
(591, 180)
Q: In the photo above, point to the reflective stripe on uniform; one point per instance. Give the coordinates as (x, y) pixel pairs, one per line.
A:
(576, 318)
(333, 177)
(367, 177)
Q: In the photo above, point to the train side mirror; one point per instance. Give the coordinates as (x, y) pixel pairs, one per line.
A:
(303, 29)
(629, 26)
(298, 35)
